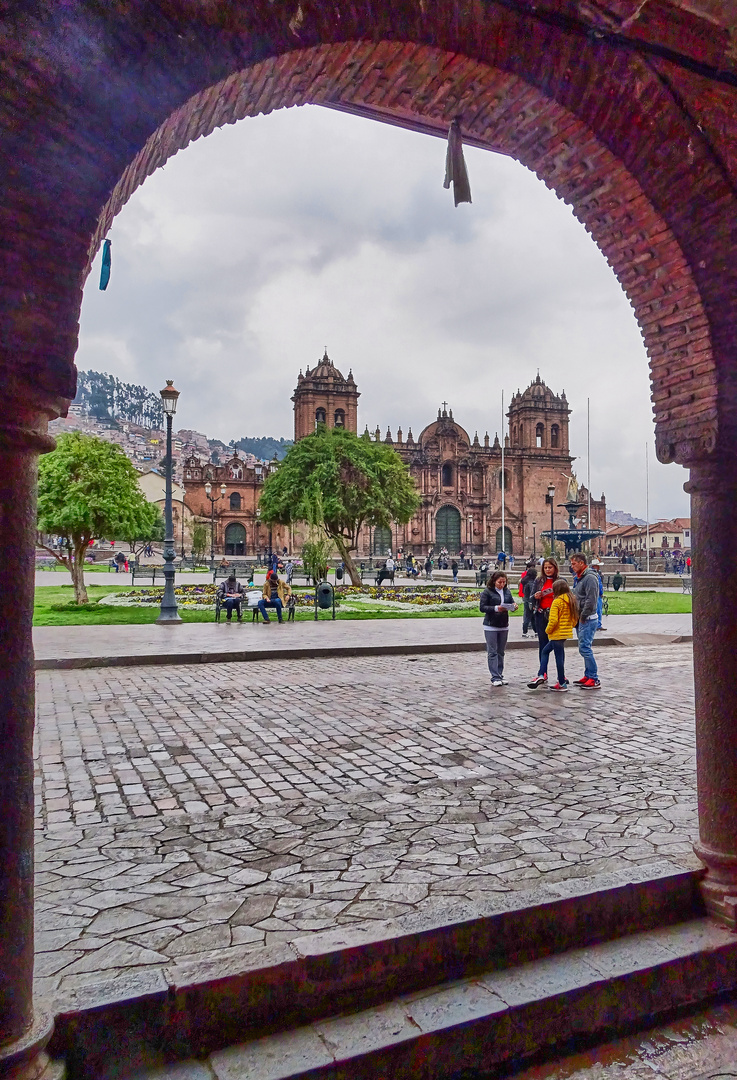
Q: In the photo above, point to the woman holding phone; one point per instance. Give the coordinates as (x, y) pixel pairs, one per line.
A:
(496, 602)
(543, 597)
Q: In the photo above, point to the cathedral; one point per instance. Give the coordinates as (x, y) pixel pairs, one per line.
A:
(459, 479)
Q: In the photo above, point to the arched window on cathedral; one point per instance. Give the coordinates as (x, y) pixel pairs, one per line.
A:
(503, 476)
(235, 501)
(447, 475)
(539, 435)
(319, 416)
(514, 435)
(339, 420)
(555, 436)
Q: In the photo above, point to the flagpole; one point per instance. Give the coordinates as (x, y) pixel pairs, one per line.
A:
(503, 545)
(647, 503)
(588, 456)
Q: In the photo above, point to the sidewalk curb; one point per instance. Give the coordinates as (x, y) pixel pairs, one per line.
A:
(303, 652)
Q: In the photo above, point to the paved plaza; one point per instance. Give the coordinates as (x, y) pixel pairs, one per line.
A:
(200, 812)
(192, 642)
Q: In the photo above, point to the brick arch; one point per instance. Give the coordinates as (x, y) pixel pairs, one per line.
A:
(506, 114)
(637, 145)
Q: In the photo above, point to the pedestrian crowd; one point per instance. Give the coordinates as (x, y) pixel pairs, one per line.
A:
(554, 610)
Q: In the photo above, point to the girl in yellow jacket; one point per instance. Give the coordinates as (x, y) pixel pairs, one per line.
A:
(561, 624)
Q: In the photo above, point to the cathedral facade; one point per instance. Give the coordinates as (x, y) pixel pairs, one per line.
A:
(461, 480)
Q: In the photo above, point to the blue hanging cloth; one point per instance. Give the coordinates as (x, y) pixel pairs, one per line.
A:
(106, 261)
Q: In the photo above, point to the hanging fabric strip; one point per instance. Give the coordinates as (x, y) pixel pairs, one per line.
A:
(106, 262)
(456, 172)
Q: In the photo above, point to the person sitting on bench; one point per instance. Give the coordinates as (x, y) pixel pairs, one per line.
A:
(276, 594)
(231, 594)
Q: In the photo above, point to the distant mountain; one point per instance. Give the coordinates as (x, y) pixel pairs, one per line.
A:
(264, 447)
(107, 398)
(621, 517)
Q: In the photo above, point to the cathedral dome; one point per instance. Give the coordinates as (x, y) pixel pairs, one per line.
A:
(326, 369)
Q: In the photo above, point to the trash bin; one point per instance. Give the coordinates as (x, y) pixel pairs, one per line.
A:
(339, 573)
(325, 595)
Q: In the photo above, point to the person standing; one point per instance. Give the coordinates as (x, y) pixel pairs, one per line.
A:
(563, 618)
(543, 597)
(428, 568)
(511, 562)
(527, 588)
(586, 591)
(454, 568)
(496, 602)
(501, 560)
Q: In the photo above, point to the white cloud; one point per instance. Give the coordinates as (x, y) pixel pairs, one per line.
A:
(235, 264)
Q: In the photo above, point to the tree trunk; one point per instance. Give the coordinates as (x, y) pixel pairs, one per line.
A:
(345, 554)
(80, 589)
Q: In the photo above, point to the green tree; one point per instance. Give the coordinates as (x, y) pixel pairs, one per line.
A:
(199, 540)
(146, 532)
(88, 490)
(316, 554)
(337, 481)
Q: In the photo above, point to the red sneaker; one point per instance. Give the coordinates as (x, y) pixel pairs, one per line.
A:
(591, 684)
(562, 689)
(580, 682)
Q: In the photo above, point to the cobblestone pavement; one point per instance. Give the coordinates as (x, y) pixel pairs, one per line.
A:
(205, 811)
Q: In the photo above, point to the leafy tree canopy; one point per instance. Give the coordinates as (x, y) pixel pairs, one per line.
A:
(88, 490)
(340, 482)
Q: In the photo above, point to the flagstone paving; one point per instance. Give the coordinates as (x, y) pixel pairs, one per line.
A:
(201, 812)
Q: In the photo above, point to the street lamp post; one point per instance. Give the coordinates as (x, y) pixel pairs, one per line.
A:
(550, 498)
(534, 540)
(168, 613)
(213, 499)
(258, 534)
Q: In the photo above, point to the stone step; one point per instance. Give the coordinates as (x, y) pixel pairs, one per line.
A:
(193, 1010)
(496, 1020)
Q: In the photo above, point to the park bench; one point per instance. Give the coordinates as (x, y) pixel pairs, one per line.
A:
(140, 574)
(608, 583)
(223, 572)
(687, 585)
(250, 603)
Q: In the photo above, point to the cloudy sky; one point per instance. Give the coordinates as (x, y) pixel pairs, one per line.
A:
(253, 249)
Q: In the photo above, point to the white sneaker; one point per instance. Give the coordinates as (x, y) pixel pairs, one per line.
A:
(497, 682)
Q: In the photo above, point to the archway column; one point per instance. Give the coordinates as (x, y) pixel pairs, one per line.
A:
(713, 490)
(23, 1031)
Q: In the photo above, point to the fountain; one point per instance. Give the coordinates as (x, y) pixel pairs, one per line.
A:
(574, 537)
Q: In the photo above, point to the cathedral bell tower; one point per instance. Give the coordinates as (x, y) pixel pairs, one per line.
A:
(324, 396)
(538, 420)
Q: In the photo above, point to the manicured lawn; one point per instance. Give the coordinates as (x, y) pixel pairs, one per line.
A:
(55, 607)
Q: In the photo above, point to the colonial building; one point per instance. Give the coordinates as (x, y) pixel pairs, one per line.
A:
(460, 481)
(230, 507)
(459, 478)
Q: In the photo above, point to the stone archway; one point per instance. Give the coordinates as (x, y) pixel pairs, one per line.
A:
(448, 529)
(235, 538)
(630, 118)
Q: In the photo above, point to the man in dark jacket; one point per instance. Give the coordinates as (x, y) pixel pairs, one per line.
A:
(231, 595)
(527, 585)
(586, 591)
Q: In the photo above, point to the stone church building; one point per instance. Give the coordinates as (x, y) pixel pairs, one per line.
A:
(459, 478)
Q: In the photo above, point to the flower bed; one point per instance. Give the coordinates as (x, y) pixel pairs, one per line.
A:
(440, 596)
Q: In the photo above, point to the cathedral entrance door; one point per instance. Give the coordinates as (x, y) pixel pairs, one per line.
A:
(448, 529)
(382, 540)
(507, 544)
(235, 539)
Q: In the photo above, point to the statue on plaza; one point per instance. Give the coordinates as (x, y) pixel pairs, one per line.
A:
(572, 489)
